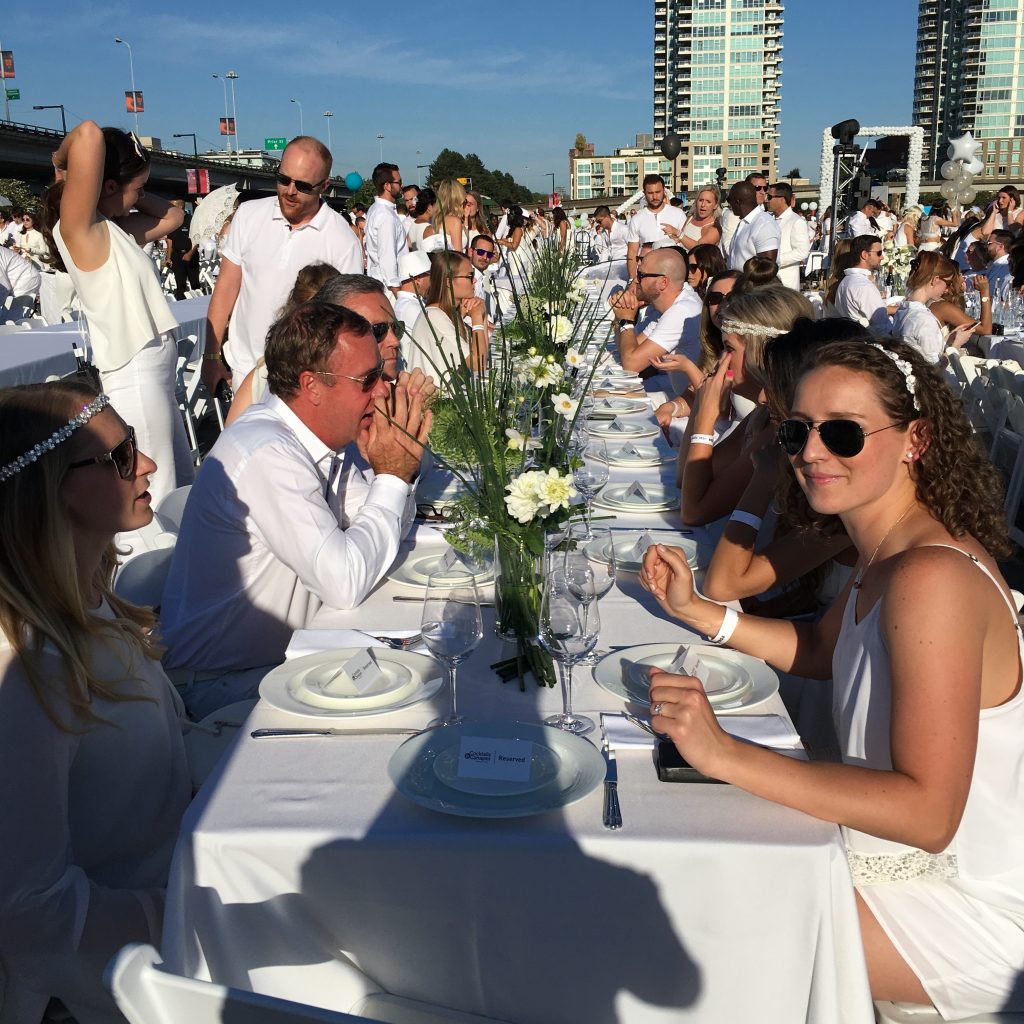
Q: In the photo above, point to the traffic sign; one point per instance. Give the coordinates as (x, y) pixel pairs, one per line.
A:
(14, 94)
(271, 145)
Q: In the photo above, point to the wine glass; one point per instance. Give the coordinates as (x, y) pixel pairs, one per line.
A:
(452, 625)
(568, 630)
(591, 475)
(589, 568)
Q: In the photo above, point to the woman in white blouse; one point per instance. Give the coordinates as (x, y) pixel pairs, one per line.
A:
(932, 275)
(30, 241)
(701, 227)
(93, 779)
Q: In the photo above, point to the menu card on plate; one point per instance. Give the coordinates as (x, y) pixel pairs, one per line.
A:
(507, 760)
(636, 490)
(687, 663)
(356, 676)
(628, 451)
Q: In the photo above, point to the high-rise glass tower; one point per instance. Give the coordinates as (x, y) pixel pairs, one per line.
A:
(717, 82)
(969, 76)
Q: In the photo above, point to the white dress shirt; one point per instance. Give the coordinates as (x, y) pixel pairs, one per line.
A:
(757, 232)
(858, 298)
(18, 275)
(385, 241)
(794, 246)
(271, 253)
(997, 272)
(646, 225)
(727, 224)
(917, 326)
(276, 524)
(858, 224)
(408, 307)
(611, 245)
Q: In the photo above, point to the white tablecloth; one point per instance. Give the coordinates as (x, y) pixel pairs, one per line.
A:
(998, 346)
(708, 905)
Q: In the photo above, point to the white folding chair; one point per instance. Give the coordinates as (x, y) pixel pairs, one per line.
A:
(193, 398)
(171, 508)
(15, 327)
(815, 262)
(141, 579)
(147, 994)
(909, 1013)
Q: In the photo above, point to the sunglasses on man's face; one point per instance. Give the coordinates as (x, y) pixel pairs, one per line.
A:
(641, 275)
(485, 254)
(367, 380)
(380, 331)
(843, 438)
(123, 457)
(300, 186)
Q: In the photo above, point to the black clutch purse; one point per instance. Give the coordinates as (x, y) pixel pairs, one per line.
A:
(673, 768)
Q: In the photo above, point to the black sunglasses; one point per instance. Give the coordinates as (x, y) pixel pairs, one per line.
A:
(368, 380)
(640, 275)
(714, 298)
(844, 438)
(380, 331)
(485, 254)
(124, 457)
(300, 186)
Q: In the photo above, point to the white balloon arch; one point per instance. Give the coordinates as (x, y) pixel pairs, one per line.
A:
(914, 158)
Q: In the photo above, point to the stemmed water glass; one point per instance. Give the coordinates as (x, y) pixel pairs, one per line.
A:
(589, 568)
(568, 630)
(452, 625)
(591, 475)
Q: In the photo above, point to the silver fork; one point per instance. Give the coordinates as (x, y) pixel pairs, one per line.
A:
(398, 643)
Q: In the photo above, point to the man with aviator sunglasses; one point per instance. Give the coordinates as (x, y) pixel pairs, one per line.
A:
(269, 242)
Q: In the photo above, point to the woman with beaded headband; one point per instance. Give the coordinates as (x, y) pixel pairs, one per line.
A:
(715, 457)
(105, 218)
(924, 648)
(93, 779)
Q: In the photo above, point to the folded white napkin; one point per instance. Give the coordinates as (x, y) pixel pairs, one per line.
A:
(313, 641)
(764, 730)
(424, 533)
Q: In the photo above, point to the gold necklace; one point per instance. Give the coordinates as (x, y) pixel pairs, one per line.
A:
(860, 576)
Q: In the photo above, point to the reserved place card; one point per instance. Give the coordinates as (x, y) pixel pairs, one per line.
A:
(358, 675)
(491, 758)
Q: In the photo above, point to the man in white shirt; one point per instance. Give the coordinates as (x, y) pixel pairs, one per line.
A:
(268, 533)
(794, 238)
(19, 277)
(670, 321)
(384, 237)
(757, 233)
(998, 249)
(858, 296)
(409, 196)
(269, 242)
(414, 270)
(483, 254)
(611, 245)
(646, 224)
(860, 223)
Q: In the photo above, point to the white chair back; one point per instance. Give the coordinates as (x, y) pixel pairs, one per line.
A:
(172, 508)
(141, 579)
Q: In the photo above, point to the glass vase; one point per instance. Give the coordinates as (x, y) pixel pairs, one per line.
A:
(517, 590)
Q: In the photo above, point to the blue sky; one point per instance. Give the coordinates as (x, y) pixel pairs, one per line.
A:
(513, 85)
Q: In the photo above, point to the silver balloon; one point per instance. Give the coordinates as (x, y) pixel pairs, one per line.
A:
(948, 190)
(963, 180)
(949, 170)
(966, 196)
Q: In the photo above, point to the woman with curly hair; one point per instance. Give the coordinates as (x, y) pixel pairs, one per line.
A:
(93, 779)
(925, 652)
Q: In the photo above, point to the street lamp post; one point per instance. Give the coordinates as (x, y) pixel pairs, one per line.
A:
(299, 105)
(328, 114)
(192, 136)
(227, 116)
(421, 167)
(551, 175)
(54, 106)
(380, 139)
(131, 68)
(232, 77)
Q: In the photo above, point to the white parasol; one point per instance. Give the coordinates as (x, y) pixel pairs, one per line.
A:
(211, 213)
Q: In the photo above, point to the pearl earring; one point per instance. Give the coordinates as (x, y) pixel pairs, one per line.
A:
(911, 455)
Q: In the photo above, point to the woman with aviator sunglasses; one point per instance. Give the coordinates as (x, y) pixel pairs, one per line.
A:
(93, 777)
(105, 218)
(925, 652)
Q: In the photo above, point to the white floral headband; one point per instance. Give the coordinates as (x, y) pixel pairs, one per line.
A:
(905, 368)
(750, 330)
(57, 437)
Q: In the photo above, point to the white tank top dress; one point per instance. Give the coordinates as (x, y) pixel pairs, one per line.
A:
(956, 917)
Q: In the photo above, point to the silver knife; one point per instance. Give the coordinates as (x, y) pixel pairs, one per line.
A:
(612, 813)
(259, 734)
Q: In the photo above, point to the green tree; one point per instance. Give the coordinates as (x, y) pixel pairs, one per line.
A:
(794, 173)
(581, 142)
(18, 193)
(495, 184)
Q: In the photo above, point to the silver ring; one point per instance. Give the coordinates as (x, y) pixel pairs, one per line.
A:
(656, 708)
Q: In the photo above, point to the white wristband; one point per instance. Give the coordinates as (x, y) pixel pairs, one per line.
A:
(727, 628)
(707, 439)
(746, 518)
(479, 327)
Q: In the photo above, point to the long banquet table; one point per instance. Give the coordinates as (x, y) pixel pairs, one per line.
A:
(299, 859)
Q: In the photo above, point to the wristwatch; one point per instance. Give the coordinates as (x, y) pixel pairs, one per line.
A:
(623, 324)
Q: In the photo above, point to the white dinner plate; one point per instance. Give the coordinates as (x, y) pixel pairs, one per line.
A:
(624, 542)
(564, 769)
(649, 455)
(605, 383)
(624, 430)
(615, 673)
(413, 568)
(296, 686)
(620, 406)
(662, 498)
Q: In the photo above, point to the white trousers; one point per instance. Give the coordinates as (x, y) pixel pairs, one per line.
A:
(142, 394)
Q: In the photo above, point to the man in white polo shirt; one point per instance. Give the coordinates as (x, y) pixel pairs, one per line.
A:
(383, 236)
(857, 296)
(269, 242)
(794, 238)
(646, 225)
(665, 319)
(757, 233)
